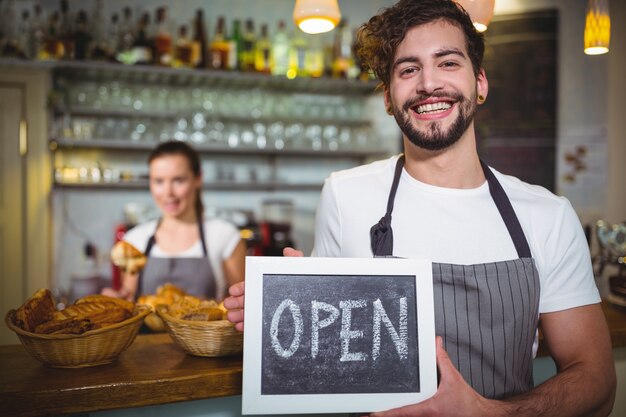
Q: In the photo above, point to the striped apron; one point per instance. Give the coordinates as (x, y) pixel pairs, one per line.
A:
(487, 314)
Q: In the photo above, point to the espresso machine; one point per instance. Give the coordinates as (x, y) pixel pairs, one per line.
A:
(611, 259)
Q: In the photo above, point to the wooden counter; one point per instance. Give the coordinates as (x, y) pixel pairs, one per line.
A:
(152, 371)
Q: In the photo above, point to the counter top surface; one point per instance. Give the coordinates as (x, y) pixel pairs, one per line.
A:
(154, 370)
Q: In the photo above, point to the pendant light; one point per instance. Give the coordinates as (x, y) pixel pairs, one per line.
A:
(316, 16)
(597, 27)
(481, 12)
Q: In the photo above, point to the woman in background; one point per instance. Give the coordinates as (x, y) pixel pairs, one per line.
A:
(202, 257)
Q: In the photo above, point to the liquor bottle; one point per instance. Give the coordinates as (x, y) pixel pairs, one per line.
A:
(126, 37)
(343, 62)
(52, 47)
(280, 50)
(100, 50)
(246, 56)
(186, 51)
(218, 50)
(142, 46)
(113, 35)
(235, 47)
(82, 37)
(9, 29)
(21, 38)
(314, 59)
(200, 37)
(262, 52)
(162, 39)
(37, 32)
(66, 30)
(297, 55)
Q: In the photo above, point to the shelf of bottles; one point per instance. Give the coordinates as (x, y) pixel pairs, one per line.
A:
(128, 81)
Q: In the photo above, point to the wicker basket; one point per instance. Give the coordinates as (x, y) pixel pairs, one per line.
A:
(203, 338)
(92, 348)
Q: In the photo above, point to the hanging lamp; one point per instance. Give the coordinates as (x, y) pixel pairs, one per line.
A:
(597, 27)
(481, 12)
(316, 16)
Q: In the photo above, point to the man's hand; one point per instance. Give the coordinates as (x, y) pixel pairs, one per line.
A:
(235, 302)
(454, 397)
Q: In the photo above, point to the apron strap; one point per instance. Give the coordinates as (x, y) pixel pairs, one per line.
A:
(201, 231)
(381, 235)
(508, 214)
(146, 252)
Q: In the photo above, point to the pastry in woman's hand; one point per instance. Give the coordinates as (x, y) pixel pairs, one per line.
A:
(127, 257)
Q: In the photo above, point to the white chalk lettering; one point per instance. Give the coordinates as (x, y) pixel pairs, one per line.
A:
(346, 334)
(298, 328)
(316, 324)
(400, 339)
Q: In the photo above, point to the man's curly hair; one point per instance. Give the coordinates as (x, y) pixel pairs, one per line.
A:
(378, 39)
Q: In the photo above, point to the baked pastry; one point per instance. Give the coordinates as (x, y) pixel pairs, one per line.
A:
(127, 257)
(39, 314)
(37, 309)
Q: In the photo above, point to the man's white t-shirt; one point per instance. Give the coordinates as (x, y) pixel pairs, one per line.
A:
(221, 239)
(458, 226)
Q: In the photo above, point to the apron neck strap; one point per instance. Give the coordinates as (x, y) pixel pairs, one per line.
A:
(506, 211)
(381, 234)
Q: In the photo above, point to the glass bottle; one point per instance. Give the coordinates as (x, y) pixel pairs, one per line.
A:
(246, 57)
(37, 32)
(126, 37)
(81, 38)
(66, 30)
(218, 50)
(297, 55)
(262, 52)
(200, 38)
(142, 46)
(280, 50)
(235, 47)
(9, 28)
(52, 48)
(162, 39)
(186, 51)
(100, 48)
(343, 62)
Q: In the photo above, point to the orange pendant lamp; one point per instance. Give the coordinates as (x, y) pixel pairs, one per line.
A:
(597, 27)
(481, 12)
(316, 16)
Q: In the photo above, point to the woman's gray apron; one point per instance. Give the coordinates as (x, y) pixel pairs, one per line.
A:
(194, 275)
(486, 313)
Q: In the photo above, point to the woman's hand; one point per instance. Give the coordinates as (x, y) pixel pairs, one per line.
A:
(235, 303)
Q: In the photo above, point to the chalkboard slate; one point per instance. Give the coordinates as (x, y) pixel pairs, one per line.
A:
(303, 351)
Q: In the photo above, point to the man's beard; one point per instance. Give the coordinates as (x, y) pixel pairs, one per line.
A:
(435, 139)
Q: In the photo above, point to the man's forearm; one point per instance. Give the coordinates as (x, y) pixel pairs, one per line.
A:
(577, 391)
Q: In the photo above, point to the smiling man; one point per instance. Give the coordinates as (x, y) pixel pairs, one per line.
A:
(507, 256)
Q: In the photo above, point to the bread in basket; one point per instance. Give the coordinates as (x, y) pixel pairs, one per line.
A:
(89, 332)
(202, 337)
